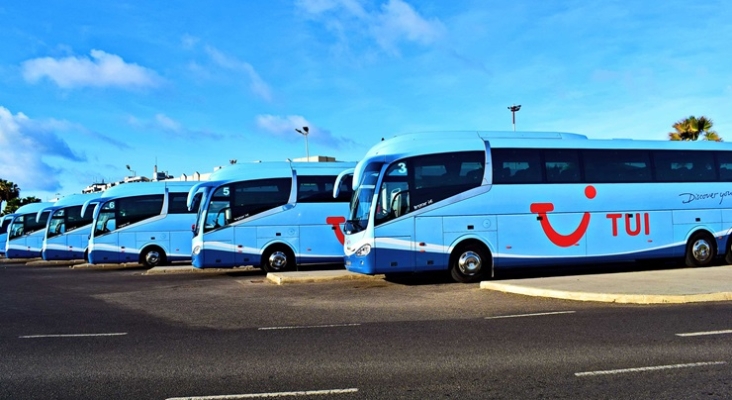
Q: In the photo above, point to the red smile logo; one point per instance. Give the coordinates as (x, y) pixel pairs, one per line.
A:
(557, 238)
(336, 222)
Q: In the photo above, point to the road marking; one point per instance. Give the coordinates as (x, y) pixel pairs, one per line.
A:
(72, 335)
(531, 315)
(704, 333)
(272, 328)
(643, 369)
(274, 394)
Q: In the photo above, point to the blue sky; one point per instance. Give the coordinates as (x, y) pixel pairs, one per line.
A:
(89, 87)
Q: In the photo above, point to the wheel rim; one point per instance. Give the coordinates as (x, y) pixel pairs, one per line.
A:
(278, 260)
(701, 250)
(152, 257)
(470, 263)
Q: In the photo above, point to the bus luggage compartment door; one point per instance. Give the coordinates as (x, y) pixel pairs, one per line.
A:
(429, 246)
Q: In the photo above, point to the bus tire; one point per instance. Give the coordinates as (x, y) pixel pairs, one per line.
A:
(470, 263)
(152, 257)
(728, 253)
(278, 258)
(701, 249)
(86, 256)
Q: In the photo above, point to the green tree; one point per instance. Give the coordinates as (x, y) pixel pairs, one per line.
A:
(18, 202)
(8, 191)
(692, 128)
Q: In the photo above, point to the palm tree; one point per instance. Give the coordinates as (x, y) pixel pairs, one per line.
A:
(691, 128)
(8, 191)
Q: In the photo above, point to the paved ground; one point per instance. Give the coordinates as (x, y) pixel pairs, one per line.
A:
(673, 285)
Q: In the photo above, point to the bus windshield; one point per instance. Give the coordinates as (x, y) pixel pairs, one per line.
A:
(358, 216)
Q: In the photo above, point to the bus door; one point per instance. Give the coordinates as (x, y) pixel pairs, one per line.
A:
(218, 239)
(393, 229)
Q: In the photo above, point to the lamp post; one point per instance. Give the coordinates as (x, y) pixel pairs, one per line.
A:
(130, 169)
(305, 130)
(514, 109)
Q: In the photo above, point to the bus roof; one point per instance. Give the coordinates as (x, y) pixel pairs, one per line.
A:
(142, 188)
(275, 169)
(75, 199)
(32, 208)
(415, 144)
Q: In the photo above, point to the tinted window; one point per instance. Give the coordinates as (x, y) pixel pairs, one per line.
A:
(4, 227)
(616, 166)
(240, 200)
(562, 166)
(134, 209)
(684, 166)
(417, 182)
(177, 204)
(319, 189)
(725, 166)
(516, 166)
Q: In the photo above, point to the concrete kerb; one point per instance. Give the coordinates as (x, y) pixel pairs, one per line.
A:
(189, 269)
(18, 260)
(281, 278)
(607, 297)
(44, 263)
(106, 266)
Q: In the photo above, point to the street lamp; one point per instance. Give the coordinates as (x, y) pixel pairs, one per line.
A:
(514, 109)
(305, 132)
(133, 172)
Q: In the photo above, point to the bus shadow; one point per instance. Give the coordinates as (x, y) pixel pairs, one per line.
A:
(443, 277)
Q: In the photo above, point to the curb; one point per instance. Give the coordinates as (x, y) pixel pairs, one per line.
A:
(282, 278)
(106, 266)
(607, 297)
(44, 263)
(19, 260)
(193, 270)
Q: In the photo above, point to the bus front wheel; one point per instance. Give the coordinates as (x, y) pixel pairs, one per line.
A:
(470, 263)
(152, 257)
(278, 259)
(700, 250)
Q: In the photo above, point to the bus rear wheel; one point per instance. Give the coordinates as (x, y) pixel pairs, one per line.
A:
(700, 250)
(278, 259)
(470, 263)
(152, 257)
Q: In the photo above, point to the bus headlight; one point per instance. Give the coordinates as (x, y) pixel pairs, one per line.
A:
(364, 250)
(196, 250)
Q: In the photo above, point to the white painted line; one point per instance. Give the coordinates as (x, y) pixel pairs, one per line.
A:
(72, 335)
(262, 395)
(272, 328)
(532, 315)
(704, 333)
(643, 369)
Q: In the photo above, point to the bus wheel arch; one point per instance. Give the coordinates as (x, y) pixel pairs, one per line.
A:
(701, 249)
(153, 256)
(470, 261)
(278, 257)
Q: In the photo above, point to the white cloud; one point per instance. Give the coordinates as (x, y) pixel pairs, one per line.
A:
(399, 21)
(281, 125)
(285, 126)
(394, 23)
(25, 144)
(100, 70)
(256, 83)
(163, 123)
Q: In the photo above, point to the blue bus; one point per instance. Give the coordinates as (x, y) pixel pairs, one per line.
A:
(272, 215)
(474, 202)
(67, 231)
(26, 231)
(145, 222)
(5, 221)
